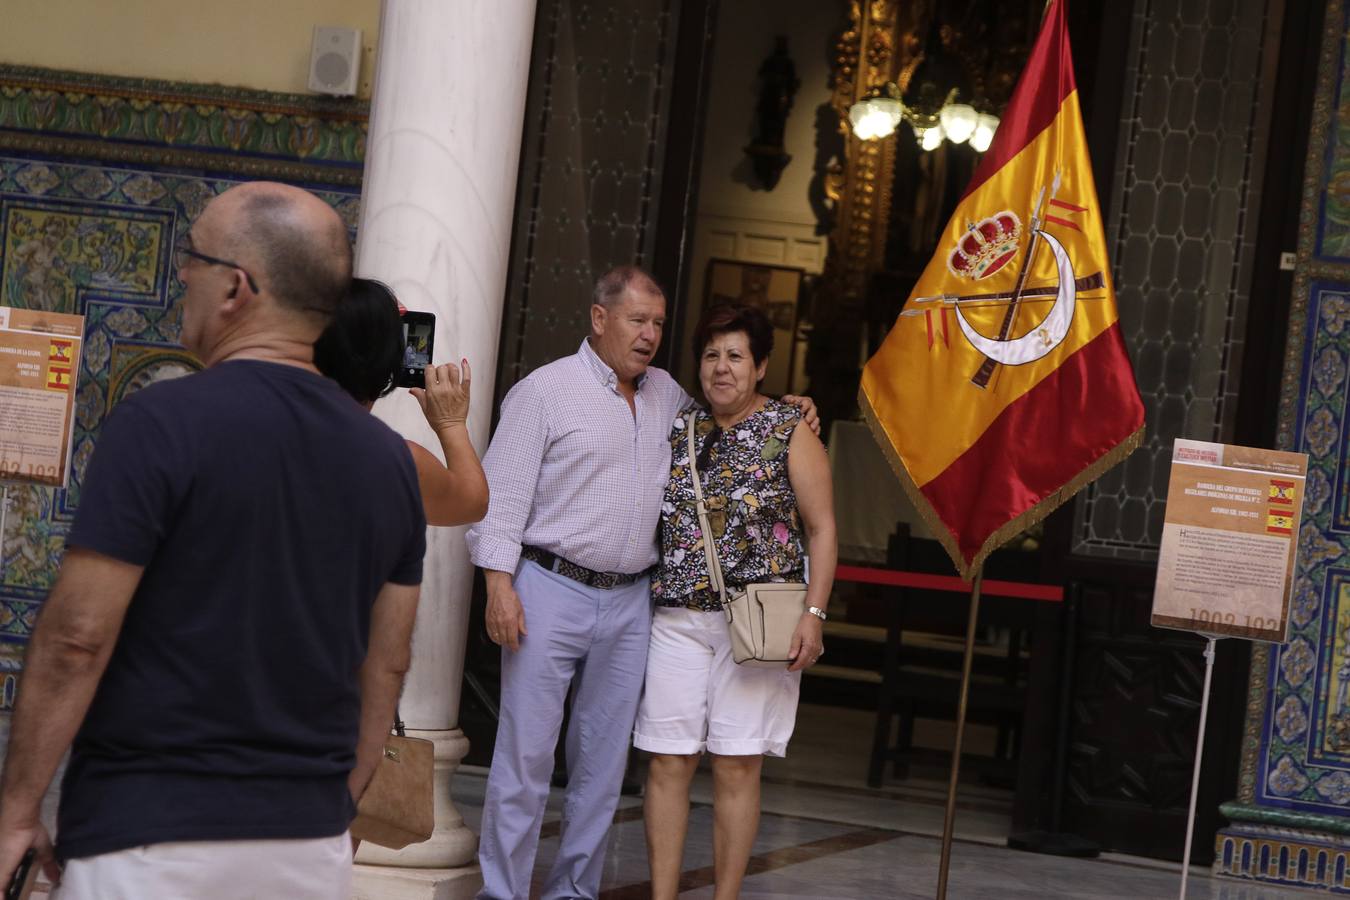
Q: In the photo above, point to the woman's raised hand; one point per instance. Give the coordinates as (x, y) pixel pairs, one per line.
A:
(445, 397)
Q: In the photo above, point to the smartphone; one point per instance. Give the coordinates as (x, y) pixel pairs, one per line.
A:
(419, 328)
(21, 884)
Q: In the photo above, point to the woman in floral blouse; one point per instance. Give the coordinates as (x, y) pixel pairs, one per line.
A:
(767, 486)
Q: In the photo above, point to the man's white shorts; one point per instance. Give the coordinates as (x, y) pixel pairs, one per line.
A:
(301, 869)
(696, 698)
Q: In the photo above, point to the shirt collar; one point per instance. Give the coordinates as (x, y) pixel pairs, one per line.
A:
(603, 373)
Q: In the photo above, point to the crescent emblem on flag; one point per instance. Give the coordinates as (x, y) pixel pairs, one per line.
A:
(1043, 338)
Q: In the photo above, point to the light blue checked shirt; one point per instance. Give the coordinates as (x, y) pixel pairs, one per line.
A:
(573, 472)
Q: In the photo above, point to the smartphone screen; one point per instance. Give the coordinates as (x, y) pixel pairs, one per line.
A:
(419, 328)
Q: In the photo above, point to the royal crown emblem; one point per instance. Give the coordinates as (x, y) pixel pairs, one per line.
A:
(988, 245)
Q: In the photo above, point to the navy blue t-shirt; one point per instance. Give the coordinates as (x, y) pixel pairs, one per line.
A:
(268, 509)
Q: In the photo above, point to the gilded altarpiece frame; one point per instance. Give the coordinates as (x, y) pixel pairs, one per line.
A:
(866, 53)
(99, 178)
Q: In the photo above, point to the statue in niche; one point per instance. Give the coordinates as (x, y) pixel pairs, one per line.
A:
(828, 171)
(777, 86)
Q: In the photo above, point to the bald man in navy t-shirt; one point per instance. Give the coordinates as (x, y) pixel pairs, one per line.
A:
(224, 646)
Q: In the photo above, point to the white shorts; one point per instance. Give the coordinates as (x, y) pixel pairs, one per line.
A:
(298, 869)
(696, 698)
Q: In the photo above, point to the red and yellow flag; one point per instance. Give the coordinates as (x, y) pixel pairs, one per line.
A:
(1032, 396)
(1281, 492)
(58, 378)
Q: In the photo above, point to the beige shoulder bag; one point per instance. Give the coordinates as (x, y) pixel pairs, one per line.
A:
(397, 808)
(760, 617)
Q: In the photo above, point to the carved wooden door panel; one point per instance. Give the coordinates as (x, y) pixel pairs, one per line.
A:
(1134, 717)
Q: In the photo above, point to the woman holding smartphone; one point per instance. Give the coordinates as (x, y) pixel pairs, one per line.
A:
(362, 350)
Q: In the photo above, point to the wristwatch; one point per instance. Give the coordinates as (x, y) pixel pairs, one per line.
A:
(817, 612)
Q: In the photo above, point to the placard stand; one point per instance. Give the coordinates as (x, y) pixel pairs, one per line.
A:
(1199, 755)
(1227, 558)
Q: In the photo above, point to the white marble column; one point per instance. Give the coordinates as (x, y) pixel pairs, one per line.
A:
(437, 206)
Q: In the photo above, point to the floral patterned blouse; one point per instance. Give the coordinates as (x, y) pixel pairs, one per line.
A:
(751, 507)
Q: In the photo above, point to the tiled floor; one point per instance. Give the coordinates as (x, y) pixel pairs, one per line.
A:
(824, 834)
(814, 858)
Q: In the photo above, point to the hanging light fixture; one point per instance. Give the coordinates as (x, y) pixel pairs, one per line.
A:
(929, 103)
(958, 121)
(878, 113)
(930, 138)
(985, 126)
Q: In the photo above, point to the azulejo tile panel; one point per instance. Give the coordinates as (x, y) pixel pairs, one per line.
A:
(1291, 822)
(1305, 754)
(95, 237)
(234, 126)
(54, 251)
(1333, 231)
(1285, 856)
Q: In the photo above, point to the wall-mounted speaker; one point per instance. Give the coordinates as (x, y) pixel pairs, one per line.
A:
(335, 60)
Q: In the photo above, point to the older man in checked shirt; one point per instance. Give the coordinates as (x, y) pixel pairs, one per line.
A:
(576, 471)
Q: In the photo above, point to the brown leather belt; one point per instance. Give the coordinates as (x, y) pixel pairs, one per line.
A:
(589, 577)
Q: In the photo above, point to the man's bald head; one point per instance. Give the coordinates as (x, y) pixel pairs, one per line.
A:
(297, 242)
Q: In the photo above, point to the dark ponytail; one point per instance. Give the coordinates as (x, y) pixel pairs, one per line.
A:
(362, 347)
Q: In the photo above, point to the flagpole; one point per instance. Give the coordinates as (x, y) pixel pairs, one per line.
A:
(949, 819)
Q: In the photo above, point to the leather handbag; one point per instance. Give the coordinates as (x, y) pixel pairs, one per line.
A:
(397, 808)
(761, 617)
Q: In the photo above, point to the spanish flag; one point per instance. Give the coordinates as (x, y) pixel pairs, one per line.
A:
(58, 378)
(1280, 521)
(1281, 492)
(1033, 396)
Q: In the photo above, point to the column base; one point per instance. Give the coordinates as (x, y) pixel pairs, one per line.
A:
(386, 883)
(452, 845)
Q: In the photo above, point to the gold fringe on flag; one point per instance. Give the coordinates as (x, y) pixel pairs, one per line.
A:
(1011, 528)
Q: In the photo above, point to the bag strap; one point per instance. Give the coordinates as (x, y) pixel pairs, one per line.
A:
(709, 543)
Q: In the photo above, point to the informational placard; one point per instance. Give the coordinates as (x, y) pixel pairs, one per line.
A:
(39, 362)
(1230, 539)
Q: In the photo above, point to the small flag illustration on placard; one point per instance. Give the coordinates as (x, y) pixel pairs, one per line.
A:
(61, 351)
(58, 378)
(1281, 492)
(1280, 521)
